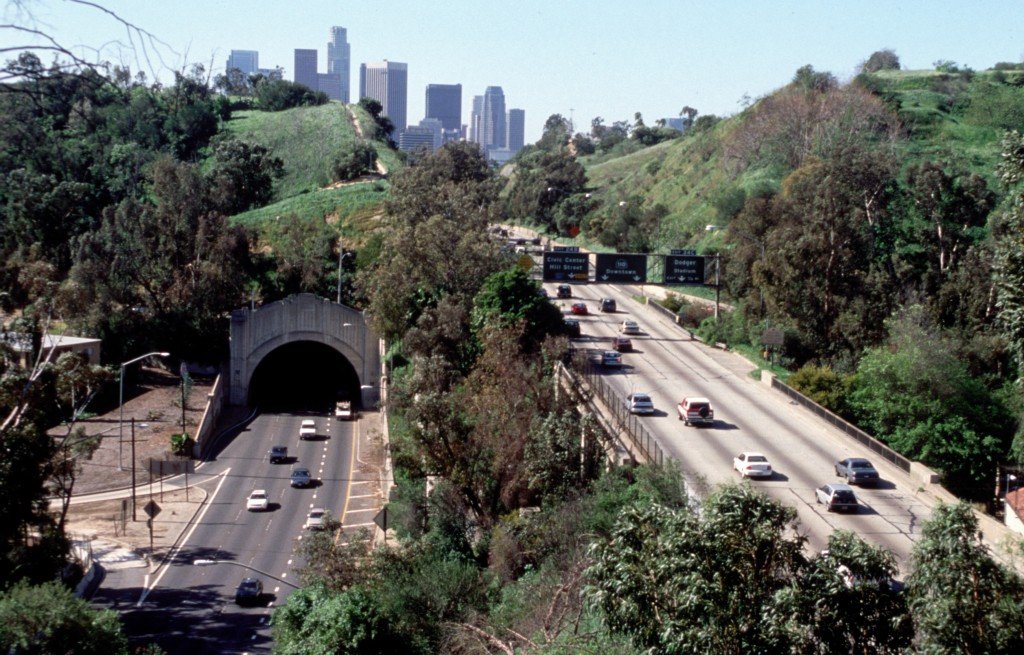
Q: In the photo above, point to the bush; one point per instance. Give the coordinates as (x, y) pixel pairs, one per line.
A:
(822, 385)
(181, 444)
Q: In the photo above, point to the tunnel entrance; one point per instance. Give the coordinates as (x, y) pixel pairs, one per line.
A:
(303, 376)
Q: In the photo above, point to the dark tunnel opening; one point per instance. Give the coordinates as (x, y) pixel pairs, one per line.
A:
(303, 376)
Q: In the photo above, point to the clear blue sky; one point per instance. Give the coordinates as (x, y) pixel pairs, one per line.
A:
(588, 57)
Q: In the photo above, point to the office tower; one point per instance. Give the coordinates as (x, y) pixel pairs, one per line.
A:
(444, 102)
(474, 120)
(387, 82)
(305, 68)
(428, 134)
(247, 61)
(676, 123)
(516, 130)
(339, 60)
(329, 83)
(492, 118)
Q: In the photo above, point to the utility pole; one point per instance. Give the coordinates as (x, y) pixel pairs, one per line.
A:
(133, 470)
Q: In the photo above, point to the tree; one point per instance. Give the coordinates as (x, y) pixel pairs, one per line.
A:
(447, 198)
(47, 618)
(242, 176)
(881, 60)
(317, 621)
(627, 225)
(544, 181)
(278, 95)
(844, 602)
(510, 297)
(690, 113)
(682, 581)
(808, 79)
(556, 133)
(914, 394)
(354, 162)
(962, 600)
(1009, 271)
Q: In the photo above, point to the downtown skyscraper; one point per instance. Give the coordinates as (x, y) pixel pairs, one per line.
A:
(387, 82)
(305, 68)
(339, 60)
(444, 102)
(493, 133)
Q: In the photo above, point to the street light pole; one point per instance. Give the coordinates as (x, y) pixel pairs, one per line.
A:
(120, 403)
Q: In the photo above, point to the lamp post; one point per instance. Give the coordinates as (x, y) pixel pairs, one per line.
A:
(211, 562)
(120, 403)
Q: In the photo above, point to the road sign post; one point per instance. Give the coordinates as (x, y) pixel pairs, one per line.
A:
(381, 519)
(621, 268)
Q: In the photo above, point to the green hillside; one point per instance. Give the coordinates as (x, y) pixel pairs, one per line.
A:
(307, 140)
(955, 118)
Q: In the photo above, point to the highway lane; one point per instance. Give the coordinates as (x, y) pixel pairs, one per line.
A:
(749, 416)
(191, 609)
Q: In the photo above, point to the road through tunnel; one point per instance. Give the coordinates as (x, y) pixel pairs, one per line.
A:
(303, 376)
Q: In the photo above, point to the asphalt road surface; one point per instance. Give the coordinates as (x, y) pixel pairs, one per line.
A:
(748, 417)
(190, 609)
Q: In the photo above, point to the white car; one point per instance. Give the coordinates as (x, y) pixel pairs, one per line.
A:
(258, 501)
(630, 327)
(639, 403)
(752, 465)
(308, 429)
(317, 519)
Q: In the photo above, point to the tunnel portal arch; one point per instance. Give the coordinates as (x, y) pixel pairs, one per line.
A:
(257, 333)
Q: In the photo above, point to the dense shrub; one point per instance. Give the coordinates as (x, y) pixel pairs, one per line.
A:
(822, 385)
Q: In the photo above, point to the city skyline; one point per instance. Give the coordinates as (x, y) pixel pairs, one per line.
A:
(603, 59)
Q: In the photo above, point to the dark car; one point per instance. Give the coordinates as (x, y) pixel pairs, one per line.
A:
(572, 328)
(857, 470)
(249, 592)
(301, 477)
(837, 497)
(608, 305)
(622, 344)
(578, 308)
(564, 291)
(278, 454)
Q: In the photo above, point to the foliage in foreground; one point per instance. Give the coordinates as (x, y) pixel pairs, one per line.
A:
(47, 618)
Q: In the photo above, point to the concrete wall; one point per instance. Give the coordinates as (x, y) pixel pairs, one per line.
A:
(214, 403)
(302, 317)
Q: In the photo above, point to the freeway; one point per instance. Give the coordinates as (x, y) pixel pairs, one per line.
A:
(748, 416)
(190, 609)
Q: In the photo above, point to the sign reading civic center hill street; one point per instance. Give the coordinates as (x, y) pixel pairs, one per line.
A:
(684, 269)
(565, 266)
(625, 268)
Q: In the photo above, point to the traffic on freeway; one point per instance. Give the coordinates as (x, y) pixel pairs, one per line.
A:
(239, 559)
(740, 415)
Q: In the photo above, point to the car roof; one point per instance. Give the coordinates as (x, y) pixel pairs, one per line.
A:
(301, 470)
(752, 453)
(317, 510)
(610, 353)
(857, 460)
(641, 394)
(835, 486)
(259, 491)
(279, 447)
(697, 399)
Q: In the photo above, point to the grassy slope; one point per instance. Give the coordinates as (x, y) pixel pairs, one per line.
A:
(686, 175)
(307, 139)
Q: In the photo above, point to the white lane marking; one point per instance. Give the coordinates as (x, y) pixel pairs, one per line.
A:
(289, 562)
(174, 551)
(253, 638)
(284, 575)
(277, 589)
(368, 509)
(364, 496)
(360, 525)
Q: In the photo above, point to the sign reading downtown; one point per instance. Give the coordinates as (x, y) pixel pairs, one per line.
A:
(566, 266)
(684, 269)
(619, 267)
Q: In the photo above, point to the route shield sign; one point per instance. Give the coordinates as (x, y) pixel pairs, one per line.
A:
(684, 269)
(565, 266)
(622, 268)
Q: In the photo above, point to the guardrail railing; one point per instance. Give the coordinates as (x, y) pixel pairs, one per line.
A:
(623, 419)
(848, 428)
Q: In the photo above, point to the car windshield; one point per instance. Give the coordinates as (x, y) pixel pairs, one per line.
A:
(757, 458)
(696, 407)
(256, 495)
(860, 464)
(641, 398)
(300, 472)
(843, 495)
